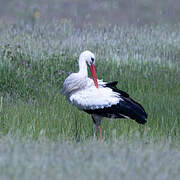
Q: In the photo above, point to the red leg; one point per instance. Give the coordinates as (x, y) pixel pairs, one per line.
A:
(100, 136)
(97, 121)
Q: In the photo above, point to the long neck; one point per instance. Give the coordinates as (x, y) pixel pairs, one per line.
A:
(83, 68)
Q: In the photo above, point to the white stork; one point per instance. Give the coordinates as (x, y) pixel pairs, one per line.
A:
(98, 98)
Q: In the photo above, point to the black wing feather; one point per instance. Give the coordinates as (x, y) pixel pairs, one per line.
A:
(112, 85)
(126, 108)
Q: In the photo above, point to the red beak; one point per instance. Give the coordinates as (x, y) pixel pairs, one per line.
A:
(93, 73)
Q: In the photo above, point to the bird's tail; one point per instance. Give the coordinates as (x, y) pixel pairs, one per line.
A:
(133, 110)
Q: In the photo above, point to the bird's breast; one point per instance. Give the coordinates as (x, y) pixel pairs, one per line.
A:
(94, 98)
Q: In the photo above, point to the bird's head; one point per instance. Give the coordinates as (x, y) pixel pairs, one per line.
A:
(89, 58)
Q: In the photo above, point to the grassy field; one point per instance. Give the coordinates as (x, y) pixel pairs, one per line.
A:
(42, 159)
(44, 137)
(35, 62)
(122, 12)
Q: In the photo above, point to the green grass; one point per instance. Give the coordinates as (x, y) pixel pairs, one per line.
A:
(43, 159)
(38, 106)
(43, 136)
(35, 63)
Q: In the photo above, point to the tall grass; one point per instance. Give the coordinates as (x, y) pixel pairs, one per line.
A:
(42, 136)
(34, 61)
(43, 159)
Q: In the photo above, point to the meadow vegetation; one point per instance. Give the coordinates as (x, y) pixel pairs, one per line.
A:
(35, 61)
(36, 121)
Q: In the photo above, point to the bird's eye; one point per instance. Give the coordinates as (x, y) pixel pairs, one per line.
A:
(92, 59)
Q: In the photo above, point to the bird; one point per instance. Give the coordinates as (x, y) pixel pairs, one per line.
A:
(98, 98)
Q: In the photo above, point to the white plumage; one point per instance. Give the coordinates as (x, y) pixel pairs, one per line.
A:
(91, 97)
(81, 90)
(98, 98)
